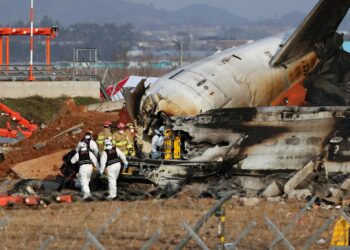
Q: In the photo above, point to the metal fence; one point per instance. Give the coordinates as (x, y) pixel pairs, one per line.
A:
(116, 225)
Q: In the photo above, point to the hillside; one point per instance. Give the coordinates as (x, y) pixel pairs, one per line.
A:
(118, 11)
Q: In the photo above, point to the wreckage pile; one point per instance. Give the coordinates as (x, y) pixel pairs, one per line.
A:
(28, 161)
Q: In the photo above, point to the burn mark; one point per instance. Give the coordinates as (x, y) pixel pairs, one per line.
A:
(292, 141)
(313, 140)
(224, 118)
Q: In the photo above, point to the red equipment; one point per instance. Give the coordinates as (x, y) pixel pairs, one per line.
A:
(25, 127)
(11, 200)
(65, 198)
(7, 32)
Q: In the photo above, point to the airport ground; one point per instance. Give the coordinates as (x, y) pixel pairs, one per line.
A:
(138, 220)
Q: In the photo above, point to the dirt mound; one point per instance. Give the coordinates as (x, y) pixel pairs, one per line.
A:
(24, 150)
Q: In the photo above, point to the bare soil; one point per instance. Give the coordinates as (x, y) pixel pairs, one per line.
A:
(139, 220)
(25, 151)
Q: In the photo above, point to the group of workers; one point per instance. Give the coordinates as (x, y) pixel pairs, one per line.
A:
(110, 150)
(106, 154)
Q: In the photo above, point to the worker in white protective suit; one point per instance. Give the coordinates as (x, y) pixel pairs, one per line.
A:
(90, 142)
(110, 159)
(157, 143)
(85, 159)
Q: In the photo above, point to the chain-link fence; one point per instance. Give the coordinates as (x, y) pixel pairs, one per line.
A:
(180, 222)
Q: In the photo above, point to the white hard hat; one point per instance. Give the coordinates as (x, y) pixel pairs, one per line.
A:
(161, 129)
(82, 145)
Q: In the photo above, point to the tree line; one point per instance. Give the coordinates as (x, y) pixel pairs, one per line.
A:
(112, 40)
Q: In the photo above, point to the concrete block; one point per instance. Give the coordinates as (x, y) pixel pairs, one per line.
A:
(300, 194)
(346, 185)
(299, 177)
(249, 202)
(106, 106)
(50, 89)
(272, 190)
(253, 183)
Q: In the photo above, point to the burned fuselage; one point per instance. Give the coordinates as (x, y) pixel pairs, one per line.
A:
(271, 138)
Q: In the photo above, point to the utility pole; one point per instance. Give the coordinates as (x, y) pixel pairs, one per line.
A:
(180, 47)
(31, 77)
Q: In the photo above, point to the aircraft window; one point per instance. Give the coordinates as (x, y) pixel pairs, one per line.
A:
(201, 82)
(178, 73)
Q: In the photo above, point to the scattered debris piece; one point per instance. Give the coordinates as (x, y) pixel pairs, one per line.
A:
(249, 202)
(106, 106)
(42, 144)
(299, 177)
(301, 194)
(272, 190)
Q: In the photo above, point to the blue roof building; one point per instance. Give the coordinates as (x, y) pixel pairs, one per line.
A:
(346, 46)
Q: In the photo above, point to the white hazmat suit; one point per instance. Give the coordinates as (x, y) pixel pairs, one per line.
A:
(110, 159)
(86, 160)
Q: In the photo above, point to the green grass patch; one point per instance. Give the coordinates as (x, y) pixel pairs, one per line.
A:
(39, 109)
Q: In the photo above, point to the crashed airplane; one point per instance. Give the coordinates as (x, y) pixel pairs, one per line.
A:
(221, 117)
(222, 106)
(253, 75)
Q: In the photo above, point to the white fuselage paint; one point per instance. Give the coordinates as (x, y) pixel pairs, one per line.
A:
(237, 77)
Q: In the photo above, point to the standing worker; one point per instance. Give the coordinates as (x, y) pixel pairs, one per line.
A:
(85, 160)
(110, 159)
(136, 140)
(105, 133)
(132, 135)
(157, 143)
(90, 142)
(121, 140)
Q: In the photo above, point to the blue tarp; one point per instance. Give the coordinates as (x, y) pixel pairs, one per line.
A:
(346, 46)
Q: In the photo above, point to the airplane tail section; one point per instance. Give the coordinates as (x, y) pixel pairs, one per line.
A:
(319, 25)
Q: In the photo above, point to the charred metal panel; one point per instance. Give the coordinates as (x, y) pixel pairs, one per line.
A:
(274, 138)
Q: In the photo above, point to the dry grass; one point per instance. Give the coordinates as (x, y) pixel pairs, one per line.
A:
(141, 219)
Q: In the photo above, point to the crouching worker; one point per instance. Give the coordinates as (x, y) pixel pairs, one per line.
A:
(85, 159)
(110, 159)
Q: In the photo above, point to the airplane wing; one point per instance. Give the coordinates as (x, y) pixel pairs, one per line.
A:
(320, 24)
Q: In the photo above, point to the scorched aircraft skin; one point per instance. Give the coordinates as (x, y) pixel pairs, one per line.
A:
(252, 75)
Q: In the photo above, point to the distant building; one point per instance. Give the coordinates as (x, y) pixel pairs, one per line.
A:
(134, 53)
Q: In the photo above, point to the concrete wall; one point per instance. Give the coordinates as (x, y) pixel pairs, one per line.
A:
(50, 89)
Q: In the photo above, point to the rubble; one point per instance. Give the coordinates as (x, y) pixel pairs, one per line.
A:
(346, 185)
(299, 177)
(300, 194)
(106, 106)
(272, 190)
(249, 202)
